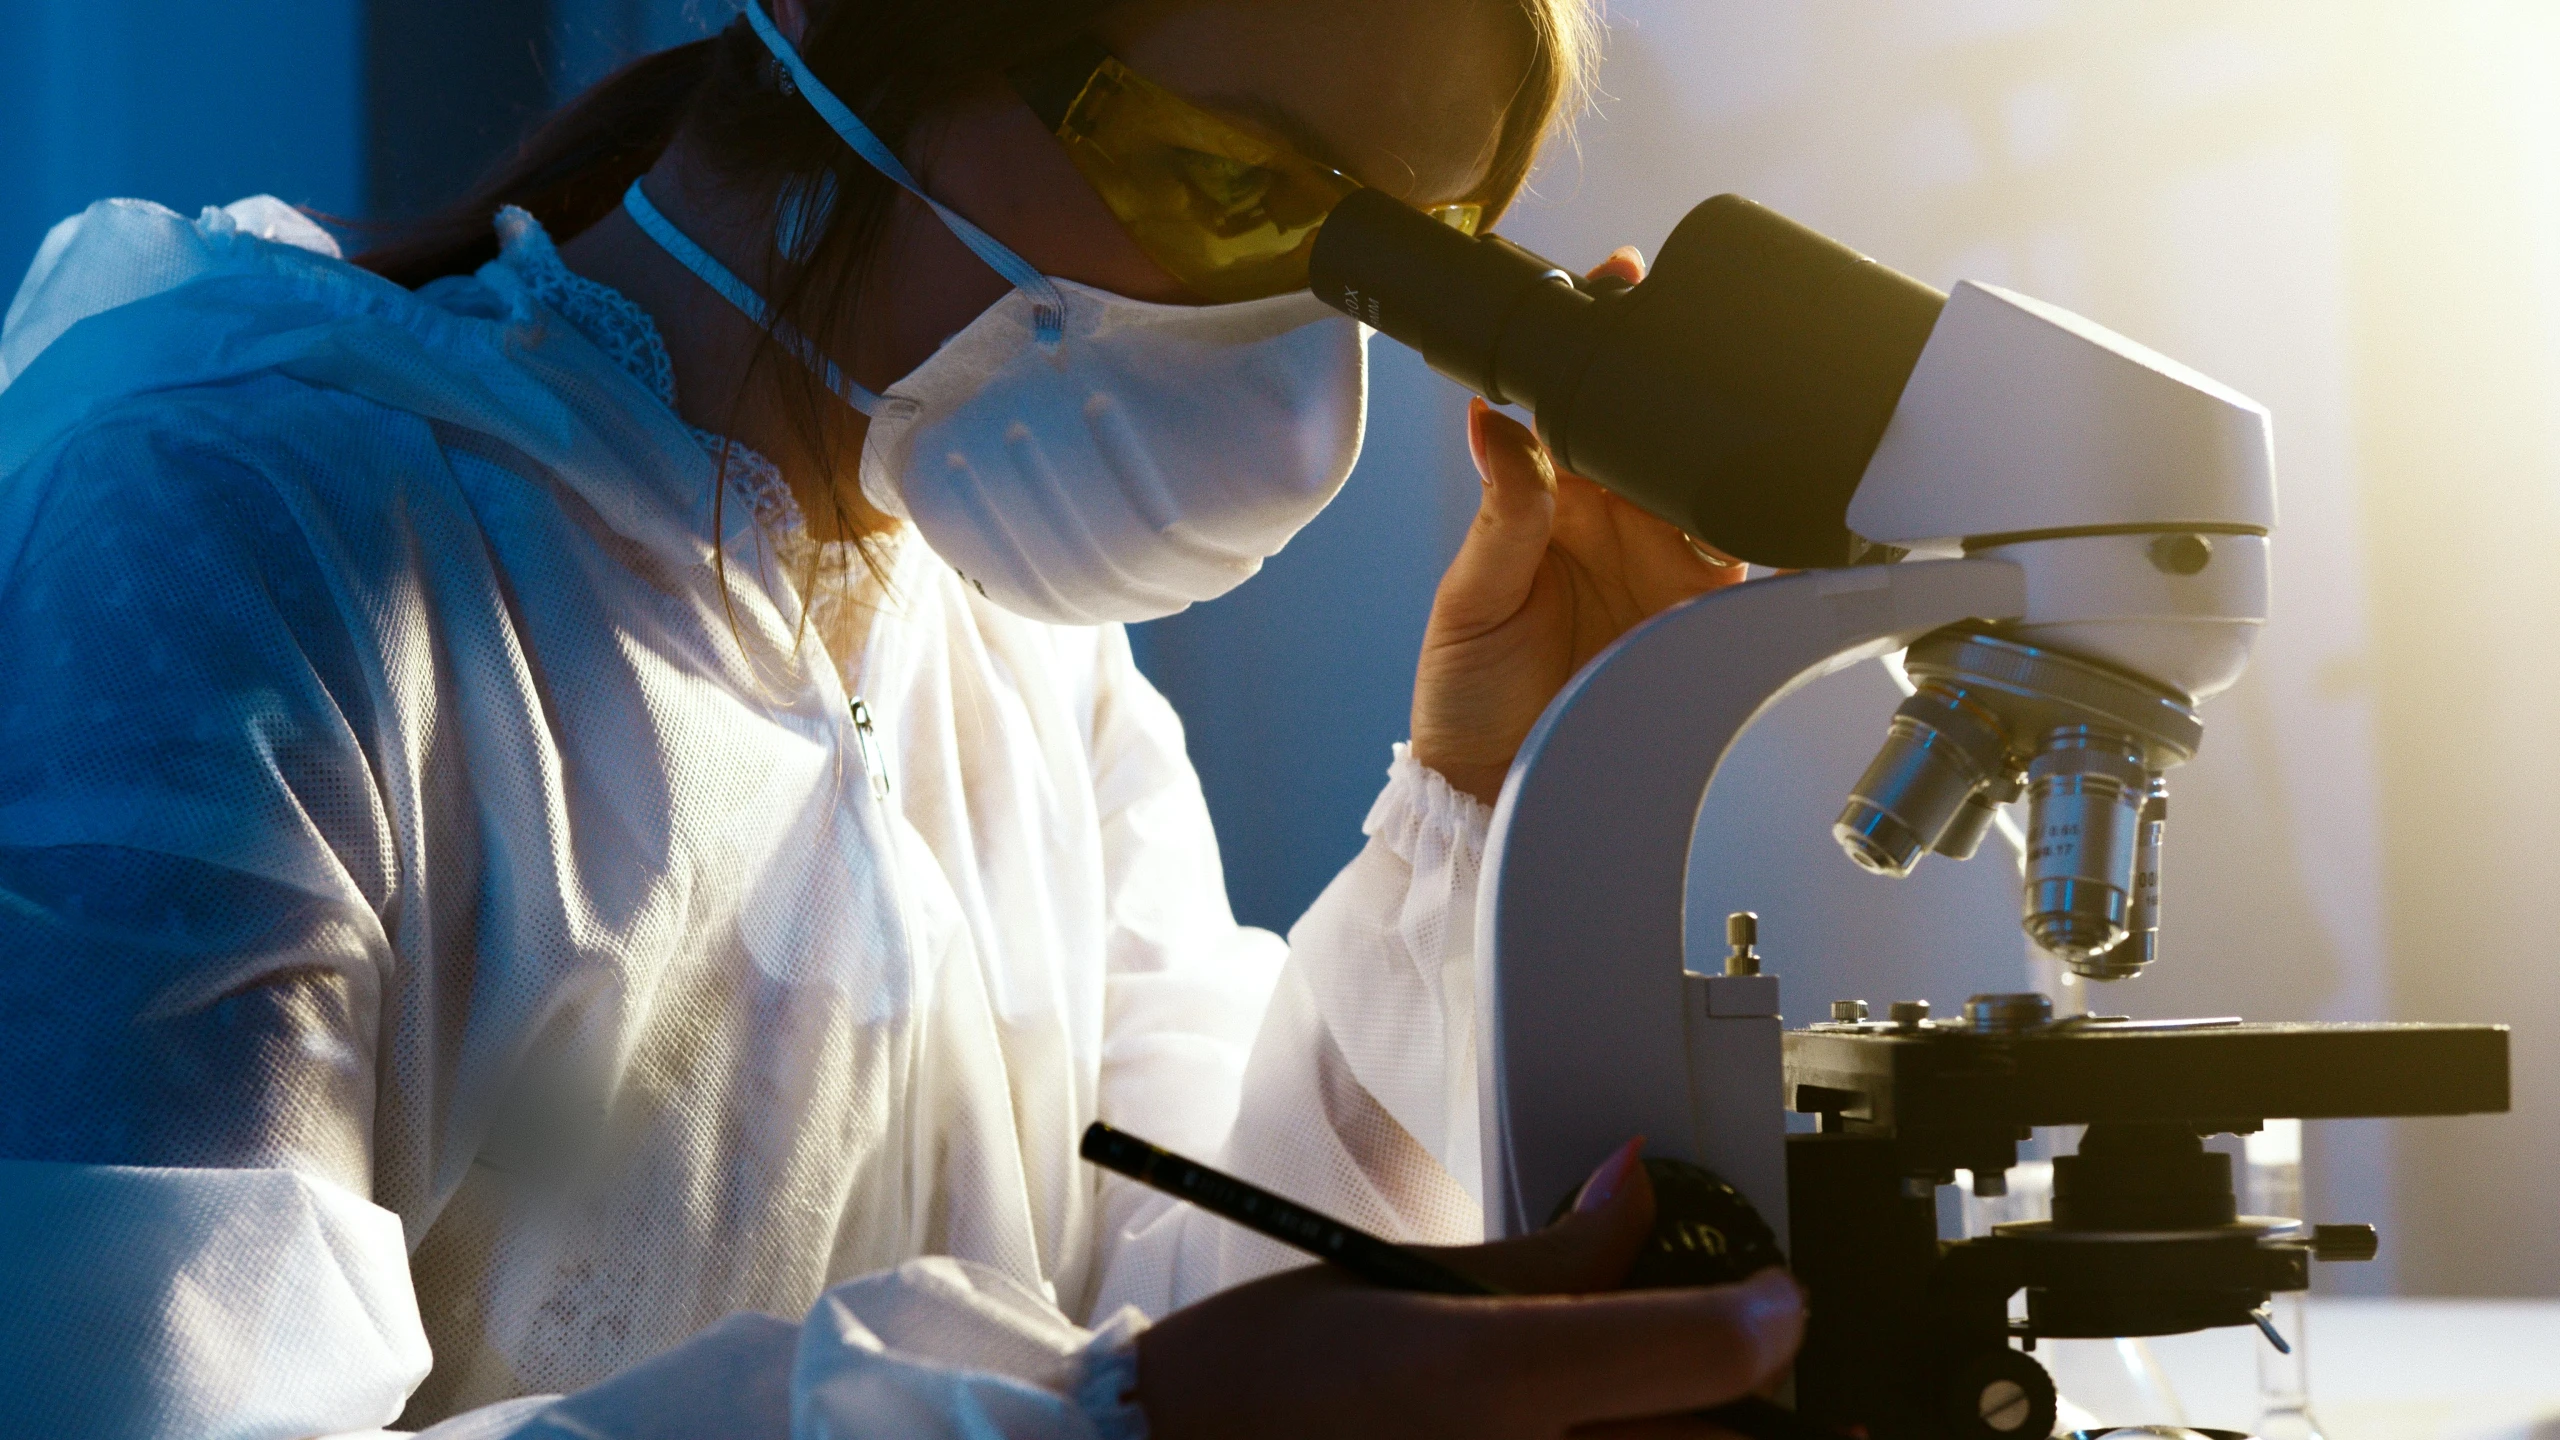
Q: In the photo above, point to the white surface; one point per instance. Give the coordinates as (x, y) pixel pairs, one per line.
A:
(2394, 1370)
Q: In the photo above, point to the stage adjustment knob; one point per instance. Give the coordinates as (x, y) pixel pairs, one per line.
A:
(2345, 1242)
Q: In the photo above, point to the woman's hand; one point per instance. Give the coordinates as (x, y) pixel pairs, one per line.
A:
(1315, 1352)
(1553, 569)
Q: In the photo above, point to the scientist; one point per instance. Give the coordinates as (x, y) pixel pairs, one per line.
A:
(579, 822)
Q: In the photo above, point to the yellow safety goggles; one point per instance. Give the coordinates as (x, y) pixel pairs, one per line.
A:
(1229, 214)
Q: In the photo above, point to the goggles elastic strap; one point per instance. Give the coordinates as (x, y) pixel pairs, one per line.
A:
(1048, 306)
(707, 268)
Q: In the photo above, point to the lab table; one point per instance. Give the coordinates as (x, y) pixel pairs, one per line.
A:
(2392, 1369)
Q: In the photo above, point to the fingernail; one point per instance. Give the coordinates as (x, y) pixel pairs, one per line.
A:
(1773, 1292)
(1773, 1314)
(1604, 1183)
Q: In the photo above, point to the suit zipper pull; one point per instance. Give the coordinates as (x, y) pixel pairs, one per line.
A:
(867, 741)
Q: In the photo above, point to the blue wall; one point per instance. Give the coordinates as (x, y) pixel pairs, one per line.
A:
(449, 85)
(360, 109)
(182, 101)
(1294, 686)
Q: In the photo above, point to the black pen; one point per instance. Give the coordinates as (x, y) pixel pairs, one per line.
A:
(1380, 1262)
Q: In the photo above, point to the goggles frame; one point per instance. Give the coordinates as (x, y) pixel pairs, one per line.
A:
(1230, 214)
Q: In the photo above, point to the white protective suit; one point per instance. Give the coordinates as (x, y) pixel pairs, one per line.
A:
(433, 912)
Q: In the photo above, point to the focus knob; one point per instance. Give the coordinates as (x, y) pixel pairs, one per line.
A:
(1705, 1232)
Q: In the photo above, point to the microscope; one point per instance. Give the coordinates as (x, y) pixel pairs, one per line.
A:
(2066, 537)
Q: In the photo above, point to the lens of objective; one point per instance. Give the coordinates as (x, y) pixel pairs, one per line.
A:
(2141, 944)
(1964, 834)
(2085, 793)
(1920, 789)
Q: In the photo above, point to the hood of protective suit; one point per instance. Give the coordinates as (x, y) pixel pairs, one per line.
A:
(255, 287)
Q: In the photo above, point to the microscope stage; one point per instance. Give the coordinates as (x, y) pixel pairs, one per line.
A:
(2222, 1075)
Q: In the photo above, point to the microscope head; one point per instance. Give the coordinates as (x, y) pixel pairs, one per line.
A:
(1795, 404)
(2138, 497)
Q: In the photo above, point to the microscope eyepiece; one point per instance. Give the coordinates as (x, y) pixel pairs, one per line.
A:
(1737, 392)
(1456, 298)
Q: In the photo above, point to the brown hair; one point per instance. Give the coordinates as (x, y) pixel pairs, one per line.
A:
(894, 62)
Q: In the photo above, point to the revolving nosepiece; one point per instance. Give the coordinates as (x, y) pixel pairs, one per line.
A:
(1994, 719)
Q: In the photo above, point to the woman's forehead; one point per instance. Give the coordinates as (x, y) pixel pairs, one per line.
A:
(1404, 95)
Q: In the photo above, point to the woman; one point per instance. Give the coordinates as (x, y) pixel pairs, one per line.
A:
(579, 822)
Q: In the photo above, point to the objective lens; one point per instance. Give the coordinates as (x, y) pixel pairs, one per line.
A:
(1965, 832)
(2141, 944)
(2085, 795)
(1926, 788)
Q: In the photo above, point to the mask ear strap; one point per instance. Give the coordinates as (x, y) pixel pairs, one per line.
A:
(1048, 306)
(707, 268)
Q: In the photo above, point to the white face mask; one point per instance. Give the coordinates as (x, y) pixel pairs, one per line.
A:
(1078, 456)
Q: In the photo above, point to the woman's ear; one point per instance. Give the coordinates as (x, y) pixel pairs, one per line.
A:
(791, 17)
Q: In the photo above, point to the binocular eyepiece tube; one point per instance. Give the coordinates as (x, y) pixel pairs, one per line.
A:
(1737, 392)
(1497, 319)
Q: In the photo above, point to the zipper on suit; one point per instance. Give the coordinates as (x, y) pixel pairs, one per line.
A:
(867, 741)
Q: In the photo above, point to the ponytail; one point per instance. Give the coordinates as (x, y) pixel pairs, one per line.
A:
(569, 173)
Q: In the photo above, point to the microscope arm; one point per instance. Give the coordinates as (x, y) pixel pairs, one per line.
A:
(1586, 1012)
